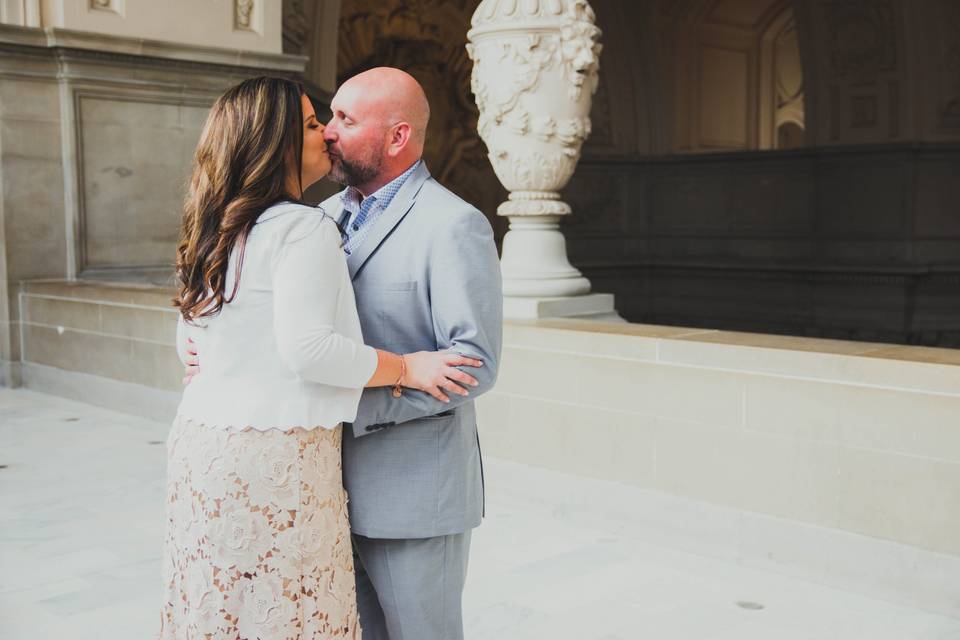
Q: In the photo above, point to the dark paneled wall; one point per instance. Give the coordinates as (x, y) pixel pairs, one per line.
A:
(858, 243)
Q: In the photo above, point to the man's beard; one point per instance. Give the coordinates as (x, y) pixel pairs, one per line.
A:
(353, 173)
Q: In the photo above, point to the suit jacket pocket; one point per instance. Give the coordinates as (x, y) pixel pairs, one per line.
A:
(410, 285)
(416, 430)
(405, 323)
(449, 413)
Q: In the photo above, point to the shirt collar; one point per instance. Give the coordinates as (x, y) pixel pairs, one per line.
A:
(350, 198)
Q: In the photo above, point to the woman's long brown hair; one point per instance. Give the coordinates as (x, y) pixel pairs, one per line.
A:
(251, 142)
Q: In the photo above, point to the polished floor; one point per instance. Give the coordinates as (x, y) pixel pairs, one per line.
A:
(80, 530)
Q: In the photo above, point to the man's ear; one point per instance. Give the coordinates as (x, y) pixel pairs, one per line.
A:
(399, 138)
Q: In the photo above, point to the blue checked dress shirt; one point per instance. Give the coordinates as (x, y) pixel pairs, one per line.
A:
(364, 212)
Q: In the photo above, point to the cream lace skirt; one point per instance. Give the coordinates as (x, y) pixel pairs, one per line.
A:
(258, 540)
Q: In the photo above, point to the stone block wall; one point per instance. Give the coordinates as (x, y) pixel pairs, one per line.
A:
(814, 451)
(111, 345)
(34, 236)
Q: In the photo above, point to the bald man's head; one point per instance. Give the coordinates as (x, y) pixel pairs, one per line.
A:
(378, 127)
(396, 95)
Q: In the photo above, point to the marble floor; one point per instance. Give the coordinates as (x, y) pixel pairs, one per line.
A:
(80, 530)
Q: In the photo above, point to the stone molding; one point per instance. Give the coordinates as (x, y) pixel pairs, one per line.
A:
(69, 44)
(858, 274)
(84, 257)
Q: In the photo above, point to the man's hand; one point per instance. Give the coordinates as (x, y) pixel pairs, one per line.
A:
(193, 363)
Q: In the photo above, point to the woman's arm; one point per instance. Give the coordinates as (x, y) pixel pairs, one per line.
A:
(307, 279)
(432, 371)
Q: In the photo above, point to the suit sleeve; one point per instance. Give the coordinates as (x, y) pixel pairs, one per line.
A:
(466, 302)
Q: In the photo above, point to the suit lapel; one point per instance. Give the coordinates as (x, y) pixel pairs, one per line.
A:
(398, 209)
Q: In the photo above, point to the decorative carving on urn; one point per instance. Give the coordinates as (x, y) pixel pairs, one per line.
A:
(535, 70)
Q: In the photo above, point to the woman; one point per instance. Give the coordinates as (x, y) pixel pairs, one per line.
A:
(258, 542)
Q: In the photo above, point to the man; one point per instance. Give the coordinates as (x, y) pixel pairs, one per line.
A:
(426, 276)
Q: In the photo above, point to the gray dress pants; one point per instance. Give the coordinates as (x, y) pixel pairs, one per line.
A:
(411, 589)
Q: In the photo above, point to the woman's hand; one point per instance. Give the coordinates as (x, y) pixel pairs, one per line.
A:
(192, 367)
(435, 372)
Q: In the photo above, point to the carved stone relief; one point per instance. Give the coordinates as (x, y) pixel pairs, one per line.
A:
(519, 76)
(243, 16)
(865, 66)
(862, 36)
(110, 6)
(427, 38)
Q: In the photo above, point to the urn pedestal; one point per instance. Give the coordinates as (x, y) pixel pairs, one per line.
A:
(535, 65)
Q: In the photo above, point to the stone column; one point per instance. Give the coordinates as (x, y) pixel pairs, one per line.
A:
(535, 67)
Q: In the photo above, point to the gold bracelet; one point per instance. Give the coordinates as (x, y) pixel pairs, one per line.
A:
(397, 389)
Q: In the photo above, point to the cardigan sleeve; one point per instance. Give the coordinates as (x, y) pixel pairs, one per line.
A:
(309, 277)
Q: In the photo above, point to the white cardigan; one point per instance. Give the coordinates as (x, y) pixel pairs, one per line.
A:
(287, 351)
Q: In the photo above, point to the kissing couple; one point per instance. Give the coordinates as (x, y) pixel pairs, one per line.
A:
(331, 352)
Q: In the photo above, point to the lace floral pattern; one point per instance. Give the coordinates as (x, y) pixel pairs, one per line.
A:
(258, 539)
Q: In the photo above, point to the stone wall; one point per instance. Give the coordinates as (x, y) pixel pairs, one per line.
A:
(96, 141)
(111, 345)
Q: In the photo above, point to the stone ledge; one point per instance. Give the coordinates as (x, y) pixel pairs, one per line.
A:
(135, 399)
(914, 368)
(92, 291)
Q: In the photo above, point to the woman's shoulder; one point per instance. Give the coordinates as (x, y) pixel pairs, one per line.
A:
(292, 221)
(288, 212)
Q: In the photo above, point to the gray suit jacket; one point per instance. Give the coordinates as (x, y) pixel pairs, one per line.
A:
(426, 277)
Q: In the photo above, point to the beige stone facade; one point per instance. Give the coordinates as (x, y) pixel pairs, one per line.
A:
(96, 142)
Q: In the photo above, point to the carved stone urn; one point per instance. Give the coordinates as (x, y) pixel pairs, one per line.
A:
(535, 65)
